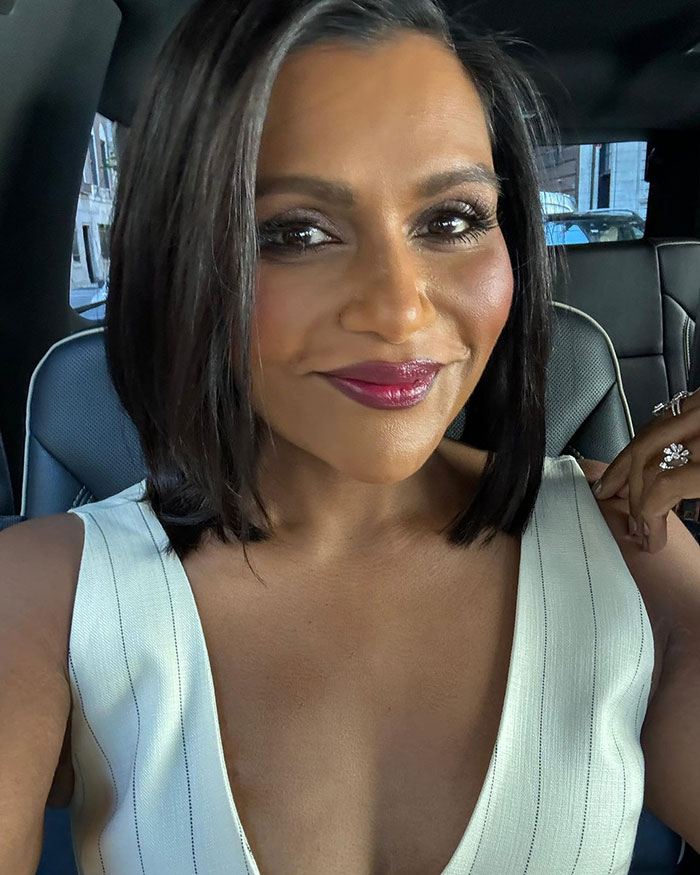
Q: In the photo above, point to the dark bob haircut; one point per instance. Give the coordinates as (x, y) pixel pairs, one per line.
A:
(185, 248)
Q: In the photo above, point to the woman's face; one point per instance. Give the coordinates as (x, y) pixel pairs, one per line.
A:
(390, 278)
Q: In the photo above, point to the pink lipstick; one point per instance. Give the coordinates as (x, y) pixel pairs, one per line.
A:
(386, 385)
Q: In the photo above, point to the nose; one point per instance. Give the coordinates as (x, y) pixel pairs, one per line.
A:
(391, 295)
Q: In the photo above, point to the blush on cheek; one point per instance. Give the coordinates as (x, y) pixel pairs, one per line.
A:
(500, 279)
(288, 308)
(272, 319)
(486, 289)
(500, 293)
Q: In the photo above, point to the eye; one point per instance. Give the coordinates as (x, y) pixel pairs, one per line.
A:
(279, 235)
(459, 222)
(456, 222)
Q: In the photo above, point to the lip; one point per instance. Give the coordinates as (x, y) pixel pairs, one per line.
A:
(384, 396)
(389, 373)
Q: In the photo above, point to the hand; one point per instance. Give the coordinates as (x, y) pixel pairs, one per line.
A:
(652, 491)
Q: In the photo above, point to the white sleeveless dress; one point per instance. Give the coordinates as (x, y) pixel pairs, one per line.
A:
(565, 785)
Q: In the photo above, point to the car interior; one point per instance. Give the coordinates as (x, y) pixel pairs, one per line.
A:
(622, 82)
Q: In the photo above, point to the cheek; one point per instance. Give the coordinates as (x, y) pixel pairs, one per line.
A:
(285, 312)
(276, 325)
(484, 291)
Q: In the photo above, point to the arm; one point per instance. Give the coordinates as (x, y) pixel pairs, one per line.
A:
(671, 732)
(669, 582)
(38, 570)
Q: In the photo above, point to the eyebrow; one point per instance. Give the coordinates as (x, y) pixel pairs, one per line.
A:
(342, 194)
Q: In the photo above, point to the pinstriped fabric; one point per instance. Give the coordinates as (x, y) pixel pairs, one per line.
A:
(153, 797)
(564, 788)
(566, 783)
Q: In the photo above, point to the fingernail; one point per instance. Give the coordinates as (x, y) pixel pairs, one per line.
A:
(646, 529)
(632, 525)
(597, 486)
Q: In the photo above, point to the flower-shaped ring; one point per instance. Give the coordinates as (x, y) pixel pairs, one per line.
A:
(677, 454)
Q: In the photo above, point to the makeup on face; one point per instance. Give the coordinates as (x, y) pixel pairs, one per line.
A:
(381, 396)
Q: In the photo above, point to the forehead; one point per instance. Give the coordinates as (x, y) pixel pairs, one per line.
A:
(383, 108)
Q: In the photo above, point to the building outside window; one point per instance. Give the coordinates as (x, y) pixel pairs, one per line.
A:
(604, 176)
(92, 154)
(593, 192)
(104, 159)
(104, 232)
(93, 220)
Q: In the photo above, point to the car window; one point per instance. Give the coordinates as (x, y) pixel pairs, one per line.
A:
(93, 221)
(590, 193)
(593, 192)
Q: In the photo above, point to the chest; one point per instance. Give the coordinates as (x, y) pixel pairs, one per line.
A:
(358, 722)
(358, 712)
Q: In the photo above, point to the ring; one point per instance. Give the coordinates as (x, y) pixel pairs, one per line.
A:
(676, 453)
(674, 404)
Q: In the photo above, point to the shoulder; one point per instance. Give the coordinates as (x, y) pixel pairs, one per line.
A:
(43, 540)
(40, 560)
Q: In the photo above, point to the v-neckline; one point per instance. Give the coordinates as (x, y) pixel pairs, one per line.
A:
(505, 718)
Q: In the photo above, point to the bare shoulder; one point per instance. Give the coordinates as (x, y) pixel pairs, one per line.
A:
(40, 561)
(39, 568)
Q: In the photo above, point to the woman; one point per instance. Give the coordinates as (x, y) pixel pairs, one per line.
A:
(448, 663)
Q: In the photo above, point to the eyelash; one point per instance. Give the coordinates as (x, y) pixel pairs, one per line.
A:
(481, 218)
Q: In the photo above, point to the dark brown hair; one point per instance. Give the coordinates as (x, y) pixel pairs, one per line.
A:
(185, 246)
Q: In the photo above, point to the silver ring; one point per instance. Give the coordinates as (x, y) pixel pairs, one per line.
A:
(675, 453)
(674, 404)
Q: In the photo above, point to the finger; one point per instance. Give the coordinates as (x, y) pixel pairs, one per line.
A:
(641, 475)
(624, 492)
(616, 475)
(664, 492)
(651, 440)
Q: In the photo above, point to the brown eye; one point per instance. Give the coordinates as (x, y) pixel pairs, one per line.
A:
(291, 237)
(460, 223)
(457, 222)
(450, 224)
